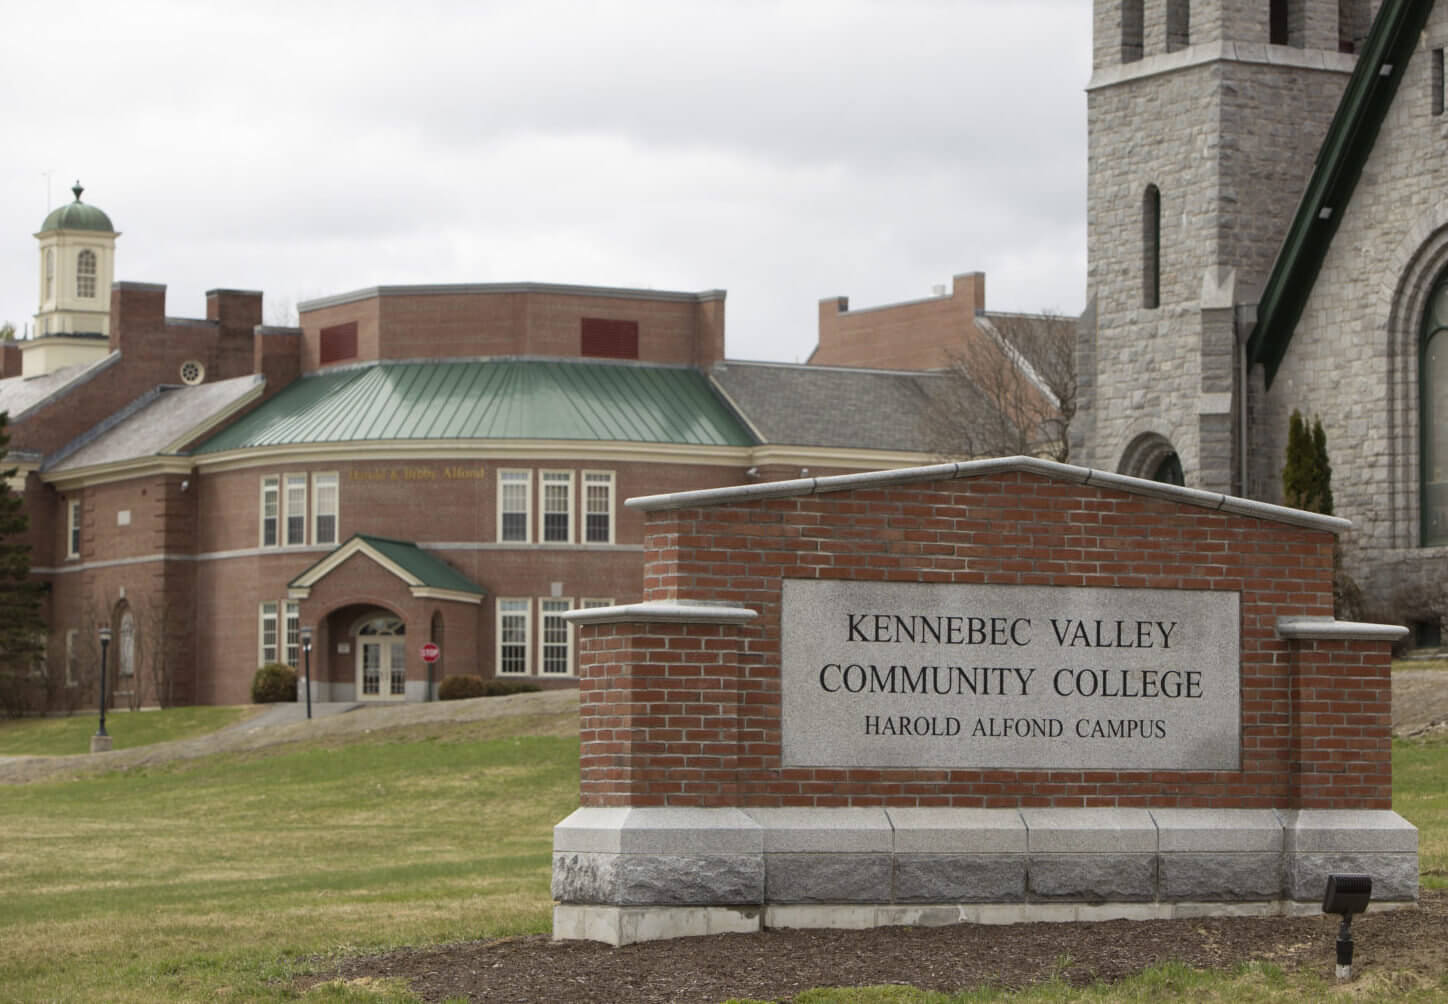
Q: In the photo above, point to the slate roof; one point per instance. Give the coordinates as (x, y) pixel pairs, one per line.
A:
(20, 394)
(154, 424)
(491, 399)
(1340, 161)
(839, 407)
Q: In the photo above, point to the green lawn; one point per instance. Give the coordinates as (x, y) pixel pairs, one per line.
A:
(222, 878)
(66, 736)
(219, 878)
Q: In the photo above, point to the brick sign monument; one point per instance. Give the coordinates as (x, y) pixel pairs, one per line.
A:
(995, 691)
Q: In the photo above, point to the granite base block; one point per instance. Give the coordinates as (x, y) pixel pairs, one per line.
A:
(827, 878)
(960, 878)
(1395, 876)
(1094, 878)
(1225, 877)
(658, 879)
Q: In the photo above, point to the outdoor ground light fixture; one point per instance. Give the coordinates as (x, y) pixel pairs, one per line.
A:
(105, 634)
(307, 661)
(1346, 895)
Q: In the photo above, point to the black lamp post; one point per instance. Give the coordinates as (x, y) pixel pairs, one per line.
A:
(105, 633)
(307, 662)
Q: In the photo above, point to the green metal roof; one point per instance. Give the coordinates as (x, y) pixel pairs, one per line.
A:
(430, 570)
(491, 399)
(1340, 162)
(77, 216)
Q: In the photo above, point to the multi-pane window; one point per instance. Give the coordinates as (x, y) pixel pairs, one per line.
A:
(556, 639)
(72, 531)
(267, 634)
(85, 275)
(593, 604)
(324, 508)
(270, 510)
(293, 621)
(598, 507)
(296, 510)
(513, 631)
(557, 507)
(514, 496)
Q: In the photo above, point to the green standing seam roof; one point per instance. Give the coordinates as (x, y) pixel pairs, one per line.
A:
(1340, 162)
(431, 570)
(491, 399)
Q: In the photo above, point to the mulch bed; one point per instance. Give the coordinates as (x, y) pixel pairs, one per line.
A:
(776, 965)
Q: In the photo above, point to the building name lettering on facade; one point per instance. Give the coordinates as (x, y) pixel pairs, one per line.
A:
(416, 473)
(1072, 677)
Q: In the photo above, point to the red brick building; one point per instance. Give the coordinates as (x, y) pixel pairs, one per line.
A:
(410, 464)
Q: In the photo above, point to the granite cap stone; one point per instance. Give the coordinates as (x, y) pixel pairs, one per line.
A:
(957, 831)
(841, 831)
(1089, 831)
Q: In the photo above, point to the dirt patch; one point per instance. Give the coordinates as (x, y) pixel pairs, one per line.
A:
(1404, 948)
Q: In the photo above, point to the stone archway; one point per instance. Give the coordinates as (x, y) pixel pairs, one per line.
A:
(1152, 456)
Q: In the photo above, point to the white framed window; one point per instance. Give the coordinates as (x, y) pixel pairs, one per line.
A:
(72, 529)
(514, 628)
(593, 604)
(296, 510)
(555, 640)
(515, 505)
(557, 525)
(266, 649)
(271, 508)
(292, 620)
(325, 500)
(598, 507)
(85, 275)
(72, 657)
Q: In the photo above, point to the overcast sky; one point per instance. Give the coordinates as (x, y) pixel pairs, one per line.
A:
(783, 151)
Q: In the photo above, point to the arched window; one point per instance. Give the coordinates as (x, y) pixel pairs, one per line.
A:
(1433, 416)
(1169, 471)
(1132, 30)
(49, 274)
(85, 275)
(1178, 24)
(126, 656)
(1151, 248)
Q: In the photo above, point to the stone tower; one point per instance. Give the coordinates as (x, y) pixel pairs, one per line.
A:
(1204, 119)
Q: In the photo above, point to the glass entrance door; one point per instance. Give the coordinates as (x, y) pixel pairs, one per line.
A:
(382, 660)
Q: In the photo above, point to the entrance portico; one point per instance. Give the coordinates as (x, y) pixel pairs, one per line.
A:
(374, 602)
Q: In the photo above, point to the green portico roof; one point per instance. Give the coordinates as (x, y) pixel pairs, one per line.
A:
(491, 399)
(77, 216)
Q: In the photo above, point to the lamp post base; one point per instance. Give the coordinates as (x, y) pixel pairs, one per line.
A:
(100, 744)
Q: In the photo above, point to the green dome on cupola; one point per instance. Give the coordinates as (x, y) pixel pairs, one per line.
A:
(77, 216)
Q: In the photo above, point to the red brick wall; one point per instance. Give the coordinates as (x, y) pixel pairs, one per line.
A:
(917, 335)
(690, 714)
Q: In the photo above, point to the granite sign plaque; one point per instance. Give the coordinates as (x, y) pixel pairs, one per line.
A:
(878, 674)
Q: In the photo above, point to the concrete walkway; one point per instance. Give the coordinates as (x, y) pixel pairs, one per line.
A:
(282, 714)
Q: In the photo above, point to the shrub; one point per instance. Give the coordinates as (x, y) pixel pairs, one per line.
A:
(502, 688)
(460, 688)
(274, 683)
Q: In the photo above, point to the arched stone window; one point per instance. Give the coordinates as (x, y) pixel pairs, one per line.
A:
(126, 650)
(1151, 248)
(85, 275)
(1433, 415)
(1151, 456)
(1178, 24)
(1133, 23)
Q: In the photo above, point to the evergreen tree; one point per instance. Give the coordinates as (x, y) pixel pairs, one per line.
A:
(1307, 475)
(22, 629)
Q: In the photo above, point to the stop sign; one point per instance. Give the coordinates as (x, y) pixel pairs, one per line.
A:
(430, 652)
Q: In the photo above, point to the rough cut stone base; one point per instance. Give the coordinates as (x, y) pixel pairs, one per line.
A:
(622, 875)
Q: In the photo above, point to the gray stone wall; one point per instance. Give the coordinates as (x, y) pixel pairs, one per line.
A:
(1353, 359)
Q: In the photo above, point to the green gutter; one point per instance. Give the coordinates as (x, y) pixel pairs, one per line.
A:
(1340, 162)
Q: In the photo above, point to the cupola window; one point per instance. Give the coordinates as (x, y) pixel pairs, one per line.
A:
(85, 275)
